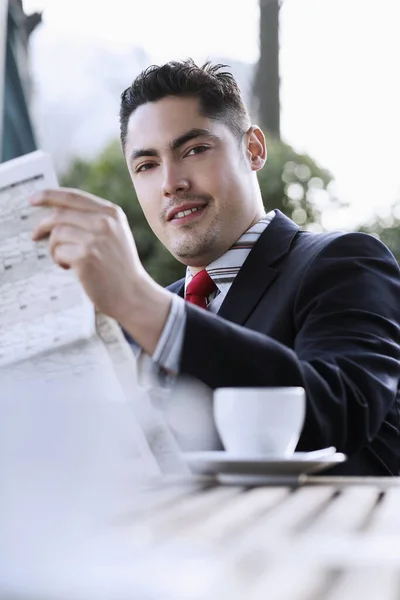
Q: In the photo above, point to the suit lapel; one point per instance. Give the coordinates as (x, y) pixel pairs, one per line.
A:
(178, 287)
(257, 272)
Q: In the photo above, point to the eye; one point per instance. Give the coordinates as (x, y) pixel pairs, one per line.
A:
(197, 150)
(145, 167)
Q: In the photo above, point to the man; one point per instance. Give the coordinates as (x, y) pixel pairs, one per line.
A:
(289, 308)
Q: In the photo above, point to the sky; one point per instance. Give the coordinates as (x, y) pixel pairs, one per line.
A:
(340, 95)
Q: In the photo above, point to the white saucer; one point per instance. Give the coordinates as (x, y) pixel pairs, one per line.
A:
(259, 469)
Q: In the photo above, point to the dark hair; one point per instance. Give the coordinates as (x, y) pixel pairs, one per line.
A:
(219, 94)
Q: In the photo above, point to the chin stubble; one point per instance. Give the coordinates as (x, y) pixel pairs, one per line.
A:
(194, 246)
(189, 243)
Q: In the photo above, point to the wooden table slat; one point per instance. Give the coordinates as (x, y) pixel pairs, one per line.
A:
(382, 483)
(238, 513)
(348, 512)
(366, 584)
(297, 584)
(159, 526)
(150, 500)
(386, 517)
(302, 505)
(270, 533)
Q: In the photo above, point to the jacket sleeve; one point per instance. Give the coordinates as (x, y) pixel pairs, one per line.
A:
(346, 351)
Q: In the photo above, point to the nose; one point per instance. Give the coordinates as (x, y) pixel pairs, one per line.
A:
(174, 181)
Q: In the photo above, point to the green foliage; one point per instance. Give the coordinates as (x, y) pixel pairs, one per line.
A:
(296, 185)
(289, 181)
(387, 230)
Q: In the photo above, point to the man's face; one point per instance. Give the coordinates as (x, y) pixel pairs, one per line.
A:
(193, 179)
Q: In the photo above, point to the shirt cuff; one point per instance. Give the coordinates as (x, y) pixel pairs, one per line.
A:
(169, 348)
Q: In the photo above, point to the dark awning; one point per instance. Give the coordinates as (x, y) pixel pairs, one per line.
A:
(18, 136)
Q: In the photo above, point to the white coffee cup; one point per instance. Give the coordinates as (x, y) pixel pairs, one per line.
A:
(260, 421)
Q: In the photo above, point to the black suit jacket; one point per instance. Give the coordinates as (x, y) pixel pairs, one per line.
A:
(321, 311)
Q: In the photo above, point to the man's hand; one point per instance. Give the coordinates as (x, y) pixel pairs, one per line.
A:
(92, 236)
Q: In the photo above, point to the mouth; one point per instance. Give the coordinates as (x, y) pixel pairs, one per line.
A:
(186, 213)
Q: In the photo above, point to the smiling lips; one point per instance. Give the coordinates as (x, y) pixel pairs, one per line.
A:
(183, 212)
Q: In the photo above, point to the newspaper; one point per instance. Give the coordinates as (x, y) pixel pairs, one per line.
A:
(49, 330)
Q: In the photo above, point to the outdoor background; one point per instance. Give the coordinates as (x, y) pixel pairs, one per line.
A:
(320, 76)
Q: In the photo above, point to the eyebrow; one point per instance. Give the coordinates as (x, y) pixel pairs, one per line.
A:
(175, 144)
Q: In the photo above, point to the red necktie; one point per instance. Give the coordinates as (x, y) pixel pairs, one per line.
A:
(200, 288)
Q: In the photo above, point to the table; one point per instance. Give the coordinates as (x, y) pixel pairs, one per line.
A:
(190, 538)
(326, 539)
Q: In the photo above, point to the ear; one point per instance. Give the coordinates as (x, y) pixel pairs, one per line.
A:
(256, 148)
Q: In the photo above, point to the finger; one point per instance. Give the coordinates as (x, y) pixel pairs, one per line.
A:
(65, 234)
(71, 198)
(87, 221)
(67, 255)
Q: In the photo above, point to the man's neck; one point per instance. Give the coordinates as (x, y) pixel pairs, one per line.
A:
(195, 270)
(257, 218)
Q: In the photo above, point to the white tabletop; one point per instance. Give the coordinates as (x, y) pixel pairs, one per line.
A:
(326, 539)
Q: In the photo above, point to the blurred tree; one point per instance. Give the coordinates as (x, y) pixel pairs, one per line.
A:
(267, 82)
(386, 229)
(292, 182)
(295, 184)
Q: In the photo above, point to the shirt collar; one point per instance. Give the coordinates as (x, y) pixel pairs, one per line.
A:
(224, 270)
